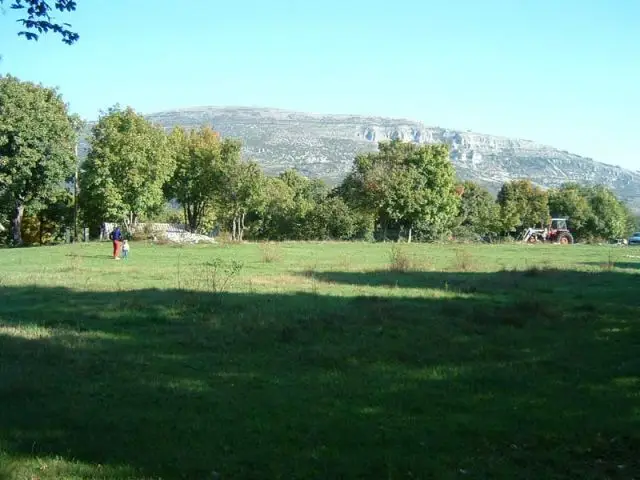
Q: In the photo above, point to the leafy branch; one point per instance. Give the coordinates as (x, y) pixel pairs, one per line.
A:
(38, 19)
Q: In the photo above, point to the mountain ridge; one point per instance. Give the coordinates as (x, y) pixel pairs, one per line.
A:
(345, 116)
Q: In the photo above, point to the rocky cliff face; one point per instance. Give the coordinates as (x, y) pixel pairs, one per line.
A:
(324, 146)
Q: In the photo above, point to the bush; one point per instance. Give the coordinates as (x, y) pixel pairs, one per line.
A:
(330, 219)
(41, 231)
(463, 234)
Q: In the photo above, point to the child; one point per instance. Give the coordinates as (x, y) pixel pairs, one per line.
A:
(125, 248)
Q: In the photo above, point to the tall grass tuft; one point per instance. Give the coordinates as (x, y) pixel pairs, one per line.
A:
(463, 261)
(215, 276)
(271, 252)
(399, 259)
(610, 264)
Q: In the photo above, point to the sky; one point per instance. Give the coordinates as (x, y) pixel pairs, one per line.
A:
(560, 72)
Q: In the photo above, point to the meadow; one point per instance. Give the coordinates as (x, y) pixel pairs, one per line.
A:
(320, 360)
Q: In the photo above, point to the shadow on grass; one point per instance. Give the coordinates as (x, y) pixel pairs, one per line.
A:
(615, 264)
(526, 375)
(576, 284)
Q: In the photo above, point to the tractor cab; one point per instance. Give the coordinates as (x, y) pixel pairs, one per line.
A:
(559, 231)
(559, 224)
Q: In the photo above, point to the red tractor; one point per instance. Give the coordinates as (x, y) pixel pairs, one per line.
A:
(557, 232)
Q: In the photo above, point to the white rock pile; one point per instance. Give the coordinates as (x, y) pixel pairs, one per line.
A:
(176, 233)
(188, 237)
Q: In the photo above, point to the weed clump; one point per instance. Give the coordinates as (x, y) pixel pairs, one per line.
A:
(271, 253)
(399, 260)
(610, 264)
(215, 276)
(463, 262)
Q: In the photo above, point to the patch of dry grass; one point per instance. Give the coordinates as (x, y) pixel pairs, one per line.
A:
(400, 259)
(270, 252)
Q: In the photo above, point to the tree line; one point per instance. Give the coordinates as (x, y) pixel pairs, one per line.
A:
(136, 171)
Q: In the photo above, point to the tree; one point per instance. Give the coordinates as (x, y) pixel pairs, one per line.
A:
(571, 201)
(351, 192)
(522, 205)
(239, 187)
(305, 190)
(286, 203)
(50, 223)
(305, 195)
(196, 178)
(405, 183)
(478, 213)
(632, 221)
(38, 18)
(609, 217)
(273, 214)
(330, 219)
(128, 164)
(37, 140)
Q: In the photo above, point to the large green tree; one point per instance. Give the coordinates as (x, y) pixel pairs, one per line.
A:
(305, 195)
(478, 213)
(331, 219)
(36, 18)
(128, 164)
(51, 223)
(632, 223)
(239, 189)
(522, 205)
(609, 217)
(405, 183)
(286, 203)
(572, 201)
(37, 141)
(273, 214)
(200, 165)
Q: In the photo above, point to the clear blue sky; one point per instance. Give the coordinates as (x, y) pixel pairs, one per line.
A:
(561, 72)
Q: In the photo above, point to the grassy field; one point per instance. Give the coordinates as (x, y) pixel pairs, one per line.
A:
(320, 361)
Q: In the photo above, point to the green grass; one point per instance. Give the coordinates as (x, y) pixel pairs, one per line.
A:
(320, 361)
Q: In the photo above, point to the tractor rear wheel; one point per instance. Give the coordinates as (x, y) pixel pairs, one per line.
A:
(565, 238)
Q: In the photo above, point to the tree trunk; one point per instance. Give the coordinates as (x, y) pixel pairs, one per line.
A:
(189, 218)
(200, 211)
(134, 223)
(241, 227)
(233, 229)
(409, 237)
(40, 228)
(131, 222)
(192, 218)
(16, 223)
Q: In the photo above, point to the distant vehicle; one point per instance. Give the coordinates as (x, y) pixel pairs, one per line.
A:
(556, 232)
(634, 239)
